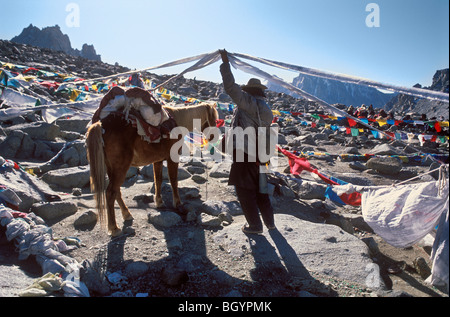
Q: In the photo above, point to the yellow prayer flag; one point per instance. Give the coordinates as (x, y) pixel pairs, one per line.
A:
(74, 94)
(382, 122)
(29, 78)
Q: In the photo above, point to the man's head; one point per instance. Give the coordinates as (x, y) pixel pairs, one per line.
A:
(254, 87)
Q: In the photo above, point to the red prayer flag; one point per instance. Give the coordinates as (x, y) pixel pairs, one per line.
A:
(351, 122)
(220, 123)
(437, 126)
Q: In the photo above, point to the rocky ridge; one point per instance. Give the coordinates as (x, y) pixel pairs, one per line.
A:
(320, 248)
(52, 38)
(407, 104)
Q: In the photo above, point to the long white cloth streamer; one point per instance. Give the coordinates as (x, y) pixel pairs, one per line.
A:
(207, 59)
(417, 92)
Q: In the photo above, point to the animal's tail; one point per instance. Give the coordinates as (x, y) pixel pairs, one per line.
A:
(96, 157)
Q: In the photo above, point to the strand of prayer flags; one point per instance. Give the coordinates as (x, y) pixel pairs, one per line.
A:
(8, 79)
(413, 158)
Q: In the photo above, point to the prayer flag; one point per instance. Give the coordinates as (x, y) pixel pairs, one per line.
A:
(351, 122)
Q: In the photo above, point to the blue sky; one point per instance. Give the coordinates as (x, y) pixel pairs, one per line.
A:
(411, 43)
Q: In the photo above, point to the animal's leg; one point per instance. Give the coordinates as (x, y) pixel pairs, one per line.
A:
(157, 175)
(111, 194)
(116, 178)
(126, 214)
(173, 177)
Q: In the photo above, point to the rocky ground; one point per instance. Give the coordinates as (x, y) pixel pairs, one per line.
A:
(320, 249)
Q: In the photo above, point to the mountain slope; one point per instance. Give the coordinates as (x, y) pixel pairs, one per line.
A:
(333, 91)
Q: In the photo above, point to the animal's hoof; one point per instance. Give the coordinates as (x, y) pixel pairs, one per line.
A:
(115, 233)
(129, 217)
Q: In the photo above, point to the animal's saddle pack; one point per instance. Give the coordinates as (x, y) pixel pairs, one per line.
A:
(138, 107)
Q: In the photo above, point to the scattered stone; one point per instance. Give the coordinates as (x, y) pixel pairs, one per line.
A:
(421, 266)
(144, 198)
(385, 165)
(287, 192)
(357, 166)
(209, 221)
(199, 179)
(136, 269)
(215, 208)
(164, 219)
(309, 190)
(221, 170)
(37, 130)
(87, 218)
(54, 210)
(386, 149)
(68, 177)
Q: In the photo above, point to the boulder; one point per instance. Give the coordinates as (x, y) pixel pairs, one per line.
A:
(304, 247)
(11, 145)
(87, 218)
(221, 170)
(215, 208)
(54, 210)
(386, 149)
(164, 219)
(37, 130)
(385, 165)
(68, 177)
(27, 187)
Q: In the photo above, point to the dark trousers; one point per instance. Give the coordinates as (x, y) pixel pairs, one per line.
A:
(251, 202)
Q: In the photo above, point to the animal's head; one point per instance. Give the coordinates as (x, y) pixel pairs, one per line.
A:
(213, 116)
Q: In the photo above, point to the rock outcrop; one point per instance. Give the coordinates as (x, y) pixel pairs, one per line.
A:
(52, 38)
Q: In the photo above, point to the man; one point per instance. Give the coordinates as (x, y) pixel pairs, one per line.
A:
(252, 112)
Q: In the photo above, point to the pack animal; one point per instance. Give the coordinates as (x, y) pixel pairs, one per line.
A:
(114, 145)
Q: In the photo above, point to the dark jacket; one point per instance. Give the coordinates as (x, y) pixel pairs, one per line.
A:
(246, 173)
